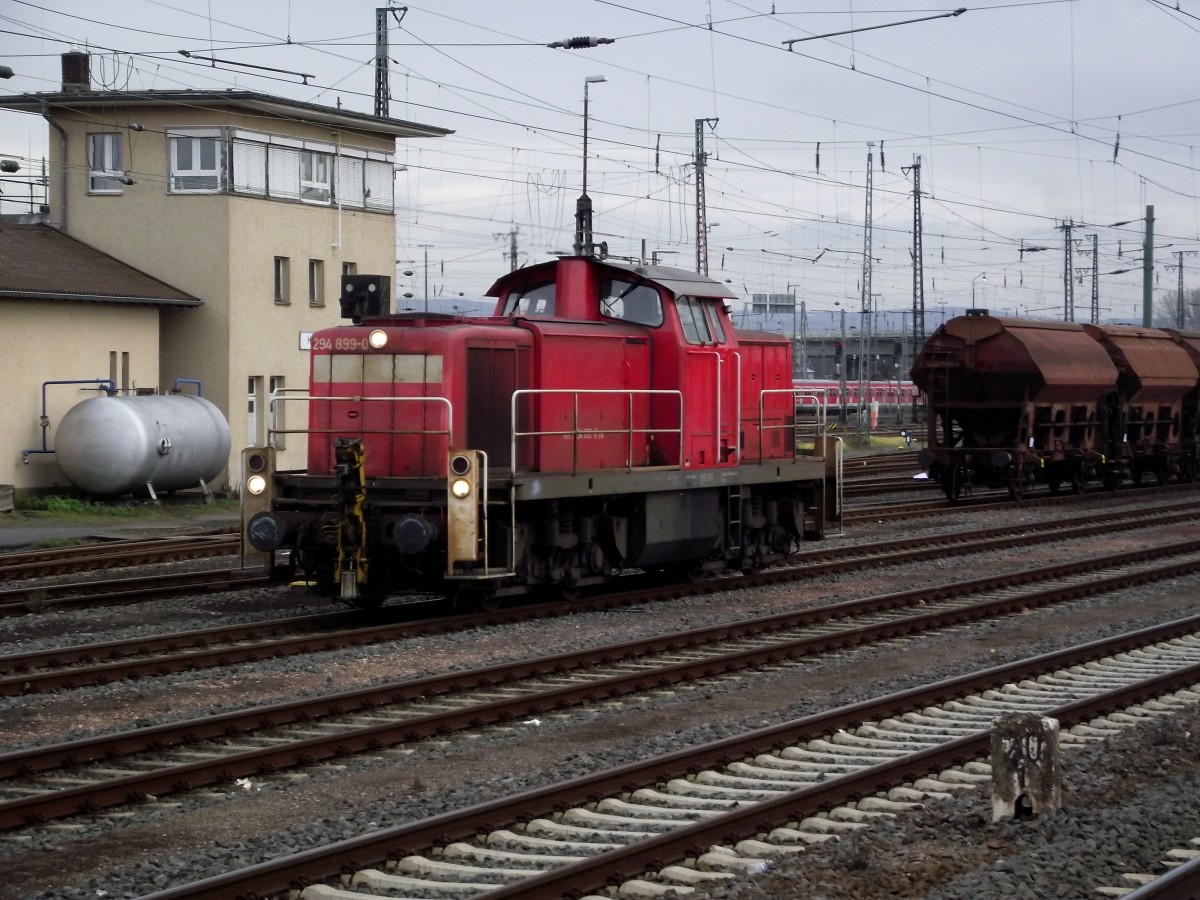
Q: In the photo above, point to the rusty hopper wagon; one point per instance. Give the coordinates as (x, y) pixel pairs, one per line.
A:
(1014, 403)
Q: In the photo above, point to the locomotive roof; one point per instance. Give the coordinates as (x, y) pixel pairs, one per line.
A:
(677, 281)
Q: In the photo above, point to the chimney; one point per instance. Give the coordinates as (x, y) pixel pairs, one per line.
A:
(76, 72)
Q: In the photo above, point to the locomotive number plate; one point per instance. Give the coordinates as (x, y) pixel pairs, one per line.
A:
(350, 344)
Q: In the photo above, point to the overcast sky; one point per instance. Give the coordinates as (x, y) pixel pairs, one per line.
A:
(1024, 114)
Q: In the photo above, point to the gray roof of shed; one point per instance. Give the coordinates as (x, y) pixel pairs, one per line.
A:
(38, 262)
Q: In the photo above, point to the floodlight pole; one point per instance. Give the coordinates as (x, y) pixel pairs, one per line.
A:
(583, 206)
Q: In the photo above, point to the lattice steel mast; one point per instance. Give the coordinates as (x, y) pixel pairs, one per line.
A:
(864, 334)
(701, 205)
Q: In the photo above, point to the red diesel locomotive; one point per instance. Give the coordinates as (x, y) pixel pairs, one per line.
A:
(606, 417)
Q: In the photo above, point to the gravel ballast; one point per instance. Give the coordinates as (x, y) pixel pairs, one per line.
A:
(1126, 801)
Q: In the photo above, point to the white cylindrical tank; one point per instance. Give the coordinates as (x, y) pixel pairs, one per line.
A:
(116, 445)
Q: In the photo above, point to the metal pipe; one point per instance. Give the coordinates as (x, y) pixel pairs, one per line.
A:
(62, 162)
(111, 390)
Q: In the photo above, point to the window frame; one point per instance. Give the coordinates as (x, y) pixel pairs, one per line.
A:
(316, 282)
(715, 326)
(112, 149)
(282, 280)
(214, 174)
(691, 317)
(517, 302)
(275, 388)
(613, 290)
(315, 189)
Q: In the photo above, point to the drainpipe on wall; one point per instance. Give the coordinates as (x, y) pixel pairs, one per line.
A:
(62, 146)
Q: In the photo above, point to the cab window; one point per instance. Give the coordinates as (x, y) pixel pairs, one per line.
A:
(714, 320)
(630, 301)
(532, 300)
(691, 317)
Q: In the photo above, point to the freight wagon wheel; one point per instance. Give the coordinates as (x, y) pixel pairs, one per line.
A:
(1016, 490)
(1077, 483)
(952, 482)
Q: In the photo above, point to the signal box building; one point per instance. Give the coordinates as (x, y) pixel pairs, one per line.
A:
(251, 204)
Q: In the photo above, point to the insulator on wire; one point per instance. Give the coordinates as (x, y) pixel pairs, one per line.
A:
(578, 43)
(818, 156)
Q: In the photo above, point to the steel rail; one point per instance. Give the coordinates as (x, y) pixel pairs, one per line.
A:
(105, 662)
(224, 768)
(81, 594)
(294, 872)
(115, 553)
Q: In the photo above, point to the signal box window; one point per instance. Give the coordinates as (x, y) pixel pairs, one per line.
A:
(195, 164)
(104, 163)
(691, 317)
(316, 177)
(536, 300)
(630, 301)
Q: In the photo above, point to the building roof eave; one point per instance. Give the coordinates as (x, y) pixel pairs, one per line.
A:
(97, 298)
(247, 100)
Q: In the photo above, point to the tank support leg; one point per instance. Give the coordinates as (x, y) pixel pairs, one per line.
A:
(150, 491)
(208, 495)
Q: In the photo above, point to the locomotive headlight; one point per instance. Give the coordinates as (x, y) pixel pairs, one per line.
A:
(256, 484)
(460, 488)
(377, 338)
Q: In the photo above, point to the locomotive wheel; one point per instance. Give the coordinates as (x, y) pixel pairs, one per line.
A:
(474, 599)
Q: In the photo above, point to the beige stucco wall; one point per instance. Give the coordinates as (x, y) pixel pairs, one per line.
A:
(60, 341)
(221, 248)
(264, 335)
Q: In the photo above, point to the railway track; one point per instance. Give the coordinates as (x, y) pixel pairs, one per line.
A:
(700, 816)
(84, 664)
(94, 593)
(998, 500)
(80, 777)
(116, 554)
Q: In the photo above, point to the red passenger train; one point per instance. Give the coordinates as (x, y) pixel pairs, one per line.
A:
(606, 417)
(884, 394)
